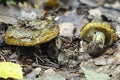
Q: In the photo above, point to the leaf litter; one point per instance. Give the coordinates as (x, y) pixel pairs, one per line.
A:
(42, 57)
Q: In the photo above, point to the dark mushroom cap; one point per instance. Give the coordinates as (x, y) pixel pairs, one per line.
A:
(90, 29)
(36, 33)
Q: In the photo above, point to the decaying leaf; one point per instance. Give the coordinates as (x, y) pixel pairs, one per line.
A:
(10, 70)
(8, 20)
(92, 3)
(66, 29)
(92, 75)
(50, 74)
(32, 75)
(75, 22)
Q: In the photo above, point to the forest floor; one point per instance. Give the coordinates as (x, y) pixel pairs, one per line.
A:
(65, 56)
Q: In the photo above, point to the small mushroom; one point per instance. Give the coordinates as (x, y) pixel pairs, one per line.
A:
(32, 33)
(99, 36)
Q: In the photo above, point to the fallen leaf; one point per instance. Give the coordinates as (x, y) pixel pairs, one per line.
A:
(92, 75)
(10, 70)
(75, 21)
(8, 20)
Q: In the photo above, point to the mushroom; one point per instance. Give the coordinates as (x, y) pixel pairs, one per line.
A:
(99, 36)
(33, 33)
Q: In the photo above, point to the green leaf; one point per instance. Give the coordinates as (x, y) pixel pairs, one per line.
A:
(92, 75)
(10, 70)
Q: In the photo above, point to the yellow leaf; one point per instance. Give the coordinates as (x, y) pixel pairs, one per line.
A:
(10, 70)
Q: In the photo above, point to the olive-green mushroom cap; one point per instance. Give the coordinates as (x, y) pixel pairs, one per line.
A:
(90, 29)
(36, 33)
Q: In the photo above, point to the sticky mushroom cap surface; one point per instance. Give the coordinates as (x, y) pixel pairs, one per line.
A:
(41, 33)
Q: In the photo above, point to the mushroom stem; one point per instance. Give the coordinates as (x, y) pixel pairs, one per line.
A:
(95, 47)
(99, 37)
